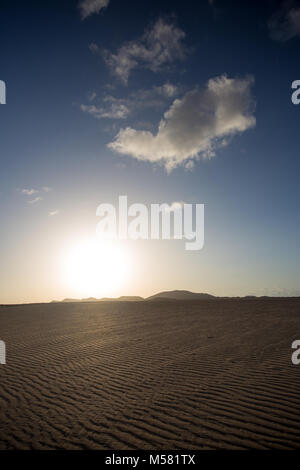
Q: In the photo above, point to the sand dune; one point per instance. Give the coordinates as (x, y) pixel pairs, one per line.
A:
(150, 375)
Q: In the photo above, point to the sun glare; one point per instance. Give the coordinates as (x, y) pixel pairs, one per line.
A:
(93, 268)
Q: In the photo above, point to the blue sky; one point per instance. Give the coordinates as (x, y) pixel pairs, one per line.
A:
(76, 76)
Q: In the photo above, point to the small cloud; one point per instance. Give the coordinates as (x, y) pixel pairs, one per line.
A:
(35, 200)
(116, 110)
(29, 192)
(195, 125)
(284, 24)
(53, 213)
(189, 165)
(94, 48)
(120, 108)
(92, 96)
(89, 7)
(168, 90)
(159, 46)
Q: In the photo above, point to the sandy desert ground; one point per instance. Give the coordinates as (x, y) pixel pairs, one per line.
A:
(150, 375)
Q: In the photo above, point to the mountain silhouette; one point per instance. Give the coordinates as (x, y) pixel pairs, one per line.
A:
(180, 295)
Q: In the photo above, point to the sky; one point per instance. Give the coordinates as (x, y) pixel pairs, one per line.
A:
(166, 102)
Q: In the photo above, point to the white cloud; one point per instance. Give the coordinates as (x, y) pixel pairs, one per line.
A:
(167, 90)
(189, 165)
(284, 24)
(154, 96)
(53, 213)
(94, 48)
(116, 110)
(120, 108)
(32, 192)
(195, 125)
(29, 192)
(35, 200)
(92, 96)
(88, 7)
(158, 47)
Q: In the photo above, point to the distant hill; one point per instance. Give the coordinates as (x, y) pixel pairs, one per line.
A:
(180, 295)
(165, 296)
(89, 299)
(123, 298)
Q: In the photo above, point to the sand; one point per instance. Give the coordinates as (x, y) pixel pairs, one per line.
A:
(150, 375)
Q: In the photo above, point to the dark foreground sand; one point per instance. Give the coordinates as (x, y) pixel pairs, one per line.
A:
(150, 375)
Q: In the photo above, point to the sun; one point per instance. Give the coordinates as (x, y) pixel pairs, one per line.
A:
(93, 268)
